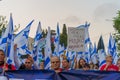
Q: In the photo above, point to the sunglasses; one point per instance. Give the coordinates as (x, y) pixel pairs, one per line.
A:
(27, 62)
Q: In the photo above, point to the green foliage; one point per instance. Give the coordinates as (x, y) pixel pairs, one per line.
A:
(17, 28)
(3, 24)
(64, 31)
(63, 36)
(117, 22)
(52, 47)
(43, 34)
(116, 26)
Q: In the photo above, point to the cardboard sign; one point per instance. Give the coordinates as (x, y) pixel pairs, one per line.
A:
(76, 39)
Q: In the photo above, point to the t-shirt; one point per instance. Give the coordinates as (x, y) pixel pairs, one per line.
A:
(9, 67)
(109, 68)
(66, 69)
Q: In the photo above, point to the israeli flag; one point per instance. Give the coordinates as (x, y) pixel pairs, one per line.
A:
(37, 52)
(94, 55)
(101, 55)
(37, 38)
(72, 59)
(21, 39)
(56, 42)
(90, 48)
(38, 35)
(8, 41)
(10, 52)
(7, 36)
(111, 46)
(48, 51)
(61, 49)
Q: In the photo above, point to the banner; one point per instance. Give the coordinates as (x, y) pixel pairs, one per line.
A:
(88, 75)
(30, 75)
(66, 75)
(76, 39)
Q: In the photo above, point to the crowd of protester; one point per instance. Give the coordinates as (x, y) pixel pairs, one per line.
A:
(59, 65)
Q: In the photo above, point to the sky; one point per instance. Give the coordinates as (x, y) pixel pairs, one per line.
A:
(99, 13)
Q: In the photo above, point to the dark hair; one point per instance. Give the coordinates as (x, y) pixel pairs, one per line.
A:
(86, 65)
(66, 59)
(42, 60)
(82, 59)
(80, 66)
(118, 60)
(22, 67)
(1, 50)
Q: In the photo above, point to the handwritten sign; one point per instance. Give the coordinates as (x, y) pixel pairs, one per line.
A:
(76, 39)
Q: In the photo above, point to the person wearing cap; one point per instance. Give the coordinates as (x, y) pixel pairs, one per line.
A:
(5, 66)
(109, 66)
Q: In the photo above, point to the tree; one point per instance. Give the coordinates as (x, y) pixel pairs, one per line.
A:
(63, 36)
(64, 31)
(52, 40)
(3, 24)
(116, 21)
(43, 34)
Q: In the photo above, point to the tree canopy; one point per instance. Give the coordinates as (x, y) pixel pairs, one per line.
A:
(3, 23)
(63, 36)
(116, 25)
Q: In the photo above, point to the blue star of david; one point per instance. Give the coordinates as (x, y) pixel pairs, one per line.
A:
(26, 33)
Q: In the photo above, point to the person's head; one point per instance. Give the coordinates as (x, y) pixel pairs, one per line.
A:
(28, 64)
(86, 67)
(91, 65)
(2, 57)
(30, 58)
(55, 62)
(65, 63)
(109, 58)
(96, 66)
(42, 64)
(118, 63)
(81, 62)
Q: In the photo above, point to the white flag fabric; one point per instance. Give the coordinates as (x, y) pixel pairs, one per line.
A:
(48, 51)
(7, 42)
(102, 59)
(37, 52)
(21, 39)
(7, 36)
(38, 35)
(94, 55)
(56, 42)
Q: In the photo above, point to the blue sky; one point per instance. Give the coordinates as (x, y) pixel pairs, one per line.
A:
(72, 12)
